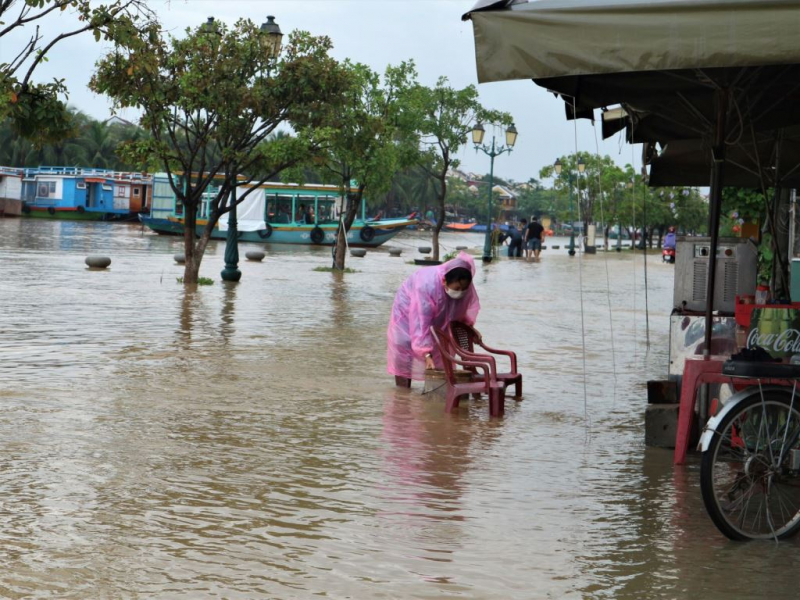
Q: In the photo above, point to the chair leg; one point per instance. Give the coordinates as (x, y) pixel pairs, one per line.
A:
(451, 401)
(497, 401)
(518, 389)
(403, 382)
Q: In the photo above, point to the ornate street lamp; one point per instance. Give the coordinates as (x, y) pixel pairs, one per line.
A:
(270, 40)
(271, 37)
(492, 151)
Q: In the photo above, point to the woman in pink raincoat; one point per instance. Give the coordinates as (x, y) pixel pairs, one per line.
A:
(431, 296)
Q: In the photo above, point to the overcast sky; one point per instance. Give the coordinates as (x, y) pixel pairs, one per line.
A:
(375, 32)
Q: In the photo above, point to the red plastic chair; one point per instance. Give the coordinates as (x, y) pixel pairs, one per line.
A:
(467, 338)
(486, 384)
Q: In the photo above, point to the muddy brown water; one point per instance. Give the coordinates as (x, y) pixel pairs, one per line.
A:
(246, 442)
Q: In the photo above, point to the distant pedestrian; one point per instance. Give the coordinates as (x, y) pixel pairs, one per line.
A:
(515, 240)
(534, 237)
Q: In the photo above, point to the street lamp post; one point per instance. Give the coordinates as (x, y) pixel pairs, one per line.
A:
(581, 169)
(494, 150)
(271, 44)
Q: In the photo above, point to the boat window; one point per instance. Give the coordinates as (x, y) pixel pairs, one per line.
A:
(326, 209)
(302, 204)
(279, 208)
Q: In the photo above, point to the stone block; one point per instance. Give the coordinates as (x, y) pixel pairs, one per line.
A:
(662, 392)
(660, 425)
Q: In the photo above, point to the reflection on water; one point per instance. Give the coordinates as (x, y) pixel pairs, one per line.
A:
(244, 441)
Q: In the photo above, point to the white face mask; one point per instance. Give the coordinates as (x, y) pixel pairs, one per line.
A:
(454, 294)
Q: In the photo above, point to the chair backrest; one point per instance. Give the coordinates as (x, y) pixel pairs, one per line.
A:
(463, 335)
(443, 342)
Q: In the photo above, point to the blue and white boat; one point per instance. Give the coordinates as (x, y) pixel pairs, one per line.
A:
(276, 213)
(78, 193)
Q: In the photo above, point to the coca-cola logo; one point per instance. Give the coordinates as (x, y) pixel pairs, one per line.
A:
(785, 342)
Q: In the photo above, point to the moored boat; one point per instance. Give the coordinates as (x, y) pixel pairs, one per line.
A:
(83, 194)
(277, 213)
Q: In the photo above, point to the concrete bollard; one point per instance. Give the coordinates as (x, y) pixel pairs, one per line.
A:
(395, 251)
(556, 247)
(461, 247)
(255, 255)
(180, 258)
(358, 252)
(97, 262)
(424, 249)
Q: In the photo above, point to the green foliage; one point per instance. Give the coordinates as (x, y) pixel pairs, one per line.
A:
(375, 136)
(90, 143)
(212, 102)
(446, 116)
(37, 111)
(450, 255)
(200, 280)
(766, 258)
(612, 195)
(740, 206)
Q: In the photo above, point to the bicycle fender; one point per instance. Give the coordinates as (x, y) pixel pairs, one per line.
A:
(733, 401)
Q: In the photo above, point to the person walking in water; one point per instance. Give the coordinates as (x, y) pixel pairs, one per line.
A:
(430, 296)
(534, 237)
(515, 240)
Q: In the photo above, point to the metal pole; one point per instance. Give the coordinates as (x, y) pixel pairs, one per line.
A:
(715, 199)
(571, 216)
(487, 244)
(231, 271)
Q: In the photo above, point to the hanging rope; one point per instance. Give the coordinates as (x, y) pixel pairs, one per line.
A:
(580, 283)
(644, 255)
(608, 278)
(633, 247)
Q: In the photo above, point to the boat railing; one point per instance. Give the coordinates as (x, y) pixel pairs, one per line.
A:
(126, 176)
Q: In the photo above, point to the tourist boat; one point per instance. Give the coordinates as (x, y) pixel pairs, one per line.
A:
(276, 213)
(84, 194)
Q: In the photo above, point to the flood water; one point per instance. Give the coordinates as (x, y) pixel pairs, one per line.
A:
(245, 441)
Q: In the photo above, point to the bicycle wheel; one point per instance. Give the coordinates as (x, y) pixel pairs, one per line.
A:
(750, 474)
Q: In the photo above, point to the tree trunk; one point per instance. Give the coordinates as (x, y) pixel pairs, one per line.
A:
(660, 236)
(340, 255)
(605, 237)
(191, 269)
(440, 220)
(193, 247)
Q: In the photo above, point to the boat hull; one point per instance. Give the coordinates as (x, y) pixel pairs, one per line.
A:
(62, 214)
(289, 234)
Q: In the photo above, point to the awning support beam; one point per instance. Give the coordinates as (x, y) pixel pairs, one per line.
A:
(715, 201)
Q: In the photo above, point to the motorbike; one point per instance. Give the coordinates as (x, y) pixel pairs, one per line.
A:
(668, 252)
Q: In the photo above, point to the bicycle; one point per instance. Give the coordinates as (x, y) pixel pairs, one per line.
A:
(750, 469)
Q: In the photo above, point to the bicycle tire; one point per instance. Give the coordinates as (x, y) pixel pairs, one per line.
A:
(757, 461)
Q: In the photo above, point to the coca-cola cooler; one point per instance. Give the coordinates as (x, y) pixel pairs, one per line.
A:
(735, 273)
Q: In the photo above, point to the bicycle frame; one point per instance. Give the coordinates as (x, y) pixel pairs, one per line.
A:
(733, 401)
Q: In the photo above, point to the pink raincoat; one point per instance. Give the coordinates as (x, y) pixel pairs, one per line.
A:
(421, 302)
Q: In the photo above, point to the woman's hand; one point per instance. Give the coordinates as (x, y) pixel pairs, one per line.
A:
(429, 362)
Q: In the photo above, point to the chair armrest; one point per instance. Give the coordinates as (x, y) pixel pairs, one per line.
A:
(479, 365)
(508, 353)
(479, 357)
